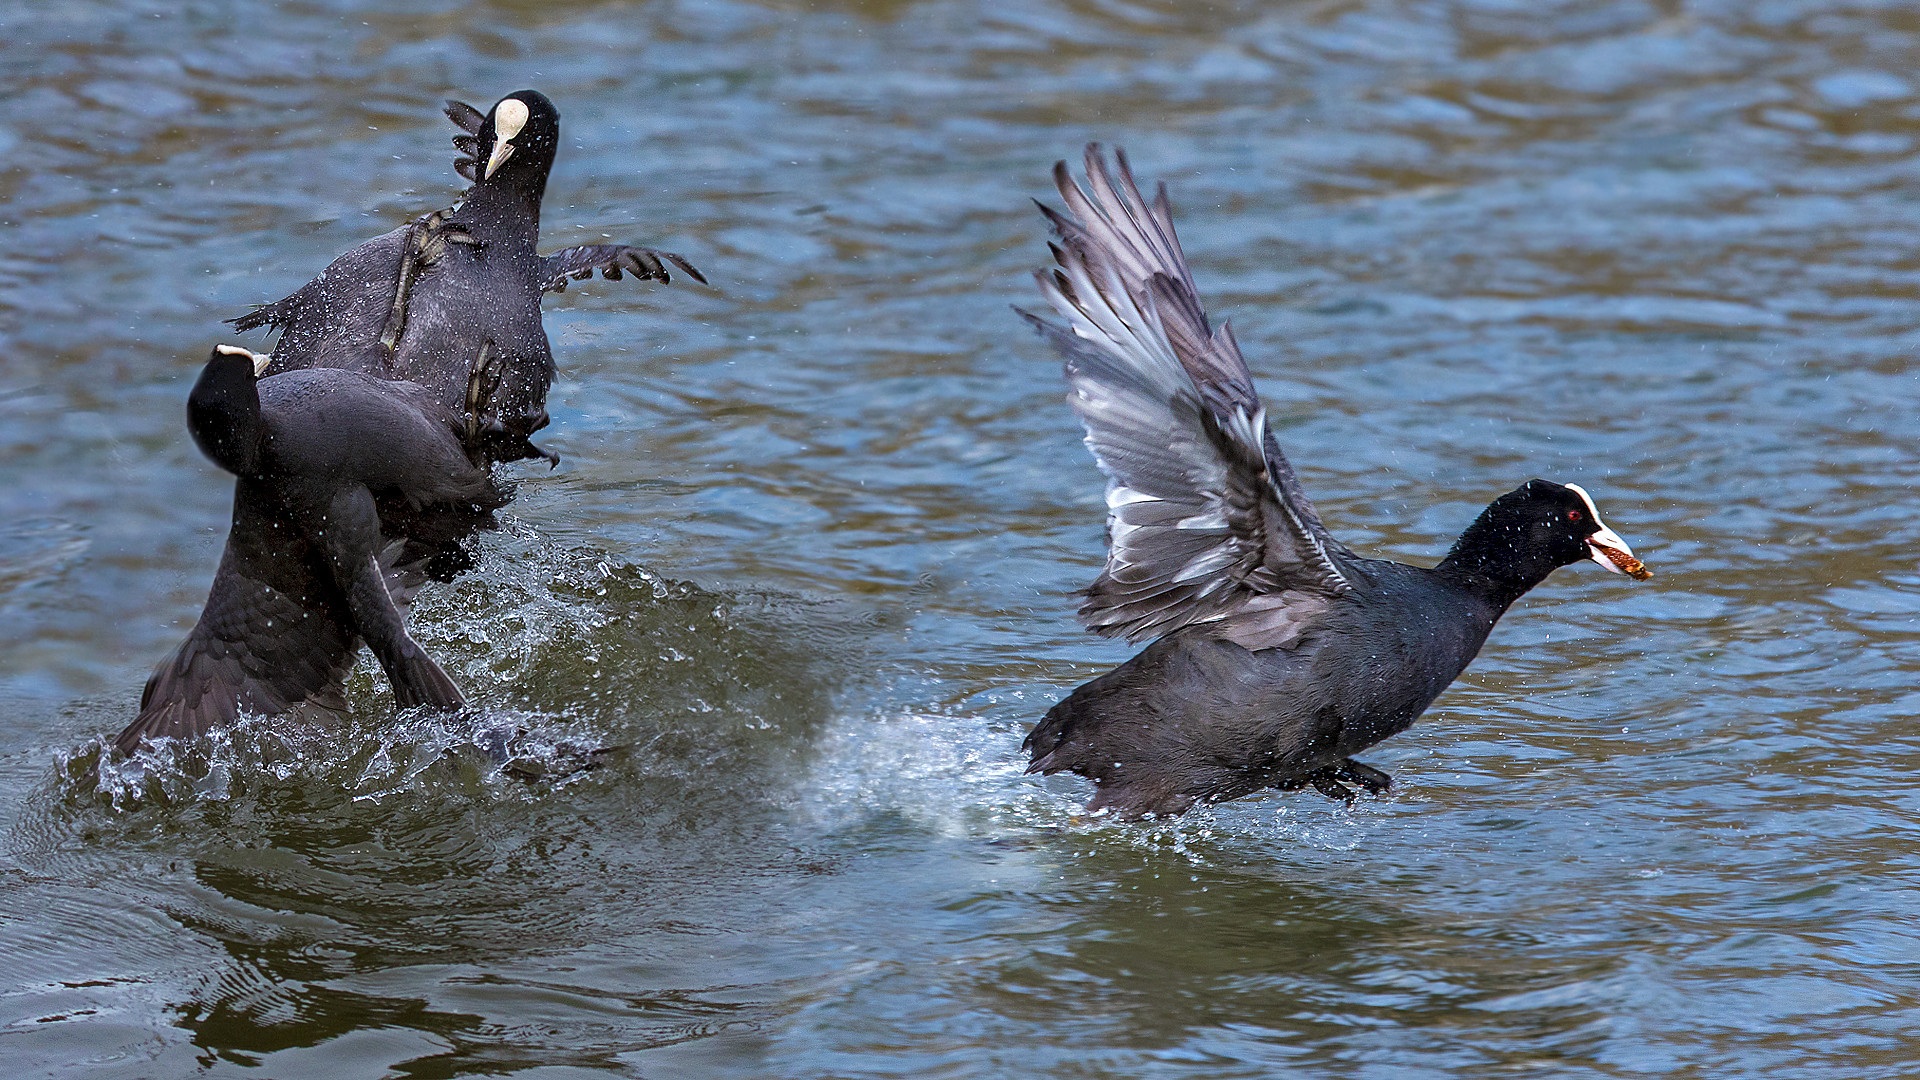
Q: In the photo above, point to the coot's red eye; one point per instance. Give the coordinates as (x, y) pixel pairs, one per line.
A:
(1573, 515)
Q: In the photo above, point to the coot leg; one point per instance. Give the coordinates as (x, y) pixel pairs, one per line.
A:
(483, 427)
(1356, 772)
(411, 250)
(1332, 781)
(427, 237)
(1324, 783)
(482, 381)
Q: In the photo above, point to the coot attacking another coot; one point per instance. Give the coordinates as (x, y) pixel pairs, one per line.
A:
(1279, 652)
(409, 366)
(452, 299)
(349, 487)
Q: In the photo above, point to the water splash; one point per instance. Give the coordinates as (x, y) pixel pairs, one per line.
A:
(572, 661)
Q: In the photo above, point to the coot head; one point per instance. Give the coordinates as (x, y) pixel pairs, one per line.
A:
(1528, 532)
(223, 409)
(518, 139)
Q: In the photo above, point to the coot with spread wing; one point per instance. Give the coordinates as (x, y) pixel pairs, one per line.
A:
(1278, 653)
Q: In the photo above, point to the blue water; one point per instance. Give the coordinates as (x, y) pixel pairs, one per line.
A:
(807, 566)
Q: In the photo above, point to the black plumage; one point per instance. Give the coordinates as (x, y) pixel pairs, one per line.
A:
(1279, 653)
(452, 300)
(408, 367)
(350, 488)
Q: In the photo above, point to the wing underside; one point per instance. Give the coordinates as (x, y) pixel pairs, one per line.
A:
(1206, 522)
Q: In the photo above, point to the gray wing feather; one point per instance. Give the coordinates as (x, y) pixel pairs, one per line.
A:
(1198, 528)
(1138, 239)
(268, 644)
(464, 116)
(469, 120)
(612, 260)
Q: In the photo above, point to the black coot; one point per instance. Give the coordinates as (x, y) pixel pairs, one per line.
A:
(409, 366)
(350, 488)
(1279, 652)
(452, 300)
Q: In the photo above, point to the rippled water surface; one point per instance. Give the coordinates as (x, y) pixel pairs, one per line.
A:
(761, 651)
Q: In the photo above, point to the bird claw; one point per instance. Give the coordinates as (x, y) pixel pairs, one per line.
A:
(483, 435)
(482, 380)
(530, 450)
(427, 238)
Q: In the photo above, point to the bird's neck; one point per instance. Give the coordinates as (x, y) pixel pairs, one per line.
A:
(491, 206)
(1498, 593)
(1493, 566)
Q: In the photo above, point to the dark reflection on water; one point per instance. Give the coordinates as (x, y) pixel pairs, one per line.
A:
(805, 573)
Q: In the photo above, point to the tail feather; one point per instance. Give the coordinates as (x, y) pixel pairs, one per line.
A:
(1113, 736)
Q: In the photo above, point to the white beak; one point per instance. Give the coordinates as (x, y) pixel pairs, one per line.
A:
(502, 150)
(260, 360)
(508, 118)
(1604, 541)
(1605, 546)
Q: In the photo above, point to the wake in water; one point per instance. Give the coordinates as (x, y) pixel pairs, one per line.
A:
(960, 775)
(618, 694)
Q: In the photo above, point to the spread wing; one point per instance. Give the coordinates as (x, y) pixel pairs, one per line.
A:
(336, 319)
(1118, 227)
(468, 119)
(612, 260)
(1205, 520)
(272, 640)
(268, 642)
